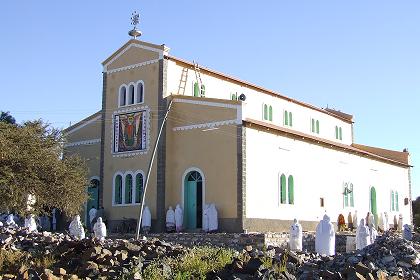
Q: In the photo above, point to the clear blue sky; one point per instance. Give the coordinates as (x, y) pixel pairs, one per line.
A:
(362, 57)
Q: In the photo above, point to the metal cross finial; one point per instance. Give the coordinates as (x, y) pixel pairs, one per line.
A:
(135, 19)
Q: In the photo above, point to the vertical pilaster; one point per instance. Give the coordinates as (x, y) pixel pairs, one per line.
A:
(101, 159)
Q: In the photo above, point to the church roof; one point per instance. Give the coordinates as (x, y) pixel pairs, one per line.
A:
(83, 122)
(388, 156)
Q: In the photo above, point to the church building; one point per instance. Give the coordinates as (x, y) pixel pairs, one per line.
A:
(262, 158)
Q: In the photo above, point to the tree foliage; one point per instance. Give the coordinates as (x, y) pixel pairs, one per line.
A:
(30, 163)
(7, 118)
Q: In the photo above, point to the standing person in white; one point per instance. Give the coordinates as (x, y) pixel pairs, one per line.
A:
(92, 215)
(355, 220)
(325, 237)
(179, 217)
(146, 221)
(213, 222)
(170, 220)
(30, 223)
(76, 228)
(295, 240)
(362, 235)
(206, 218)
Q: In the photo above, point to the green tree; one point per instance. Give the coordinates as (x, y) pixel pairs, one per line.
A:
(7, 118)
(30, 163)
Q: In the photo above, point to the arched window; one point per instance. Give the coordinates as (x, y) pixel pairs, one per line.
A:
(290, 119)
(118, 190)
(128, 192)
(351, 192)
(203, 91)
(317, 126)
(282, 189)
(265, 112)
(392, 201)
(131, 94)
(270, 113)
(286, 118)
(122, 96)
(346, 195)
(139, 187)
(140, 93)
(397, 208)
(340, 131)
(290, 187)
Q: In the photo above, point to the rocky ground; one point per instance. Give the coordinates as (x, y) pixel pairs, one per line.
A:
(58, 256)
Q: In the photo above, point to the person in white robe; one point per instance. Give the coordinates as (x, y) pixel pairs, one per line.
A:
(170, 220)
(92, 215)
(206, 217)
(179, 217)
(30, 223)
(76, 228)
(395, 225)
(407, 234)
(400, 222)
(373, 233)
(10, 221)
(381, 224)
(99, 229)
(355, 220)
(213, 220)
(325, 237)
(295, 240)
(386, 221)
(362, 235)
(146, 220)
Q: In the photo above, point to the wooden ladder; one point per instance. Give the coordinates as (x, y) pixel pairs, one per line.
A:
(183, 81)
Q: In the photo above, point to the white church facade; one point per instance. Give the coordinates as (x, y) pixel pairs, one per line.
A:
(261, 157)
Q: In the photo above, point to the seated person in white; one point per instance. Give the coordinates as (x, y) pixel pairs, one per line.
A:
(178, 218)
(76, 228)
(362, 235)
(170, 220)
(30, 223)
(99, 229)
(295, 240)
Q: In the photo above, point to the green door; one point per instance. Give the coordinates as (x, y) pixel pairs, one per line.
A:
(191, 205)
(93, 198)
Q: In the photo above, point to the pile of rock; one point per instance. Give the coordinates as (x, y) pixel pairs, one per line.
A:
(87, 258)
(390, 256)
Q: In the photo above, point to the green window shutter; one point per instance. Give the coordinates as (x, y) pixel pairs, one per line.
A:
(290, 119)
(196, 90)
(397, 208)
(351, 196)
(340, 133)
(346, 195)
(290, 185)
(203, 90)
(139, 187)
(286, 118)
(282, 189)
(373, 201)
(265, 112)
(118, 190)
(336, 132)
(270, 113)
(317, 126)
(312, 125)
(392, 201)
(128, 189)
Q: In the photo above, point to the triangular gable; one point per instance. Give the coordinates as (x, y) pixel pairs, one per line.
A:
(132, 53)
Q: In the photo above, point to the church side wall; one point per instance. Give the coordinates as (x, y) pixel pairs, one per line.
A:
(223, 88)
(318, 172)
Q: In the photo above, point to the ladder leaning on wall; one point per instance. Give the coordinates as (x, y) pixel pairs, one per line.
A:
(198, 79)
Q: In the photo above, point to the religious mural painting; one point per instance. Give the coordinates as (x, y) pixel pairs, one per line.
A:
(130, 131)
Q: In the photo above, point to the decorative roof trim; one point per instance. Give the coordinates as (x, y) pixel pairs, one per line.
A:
(132, 66)
(206, 103)
(207, 125)
(131, 45)
(83, 123)
(84, 142)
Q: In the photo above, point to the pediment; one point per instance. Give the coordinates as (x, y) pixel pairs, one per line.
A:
(132, 53)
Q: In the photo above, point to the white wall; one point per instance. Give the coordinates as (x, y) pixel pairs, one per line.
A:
(318, 172)
(253, 106)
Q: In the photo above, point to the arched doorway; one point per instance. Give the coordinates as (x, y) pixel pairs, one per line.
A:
(93, 198)
(373, 206)
(193, 200)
